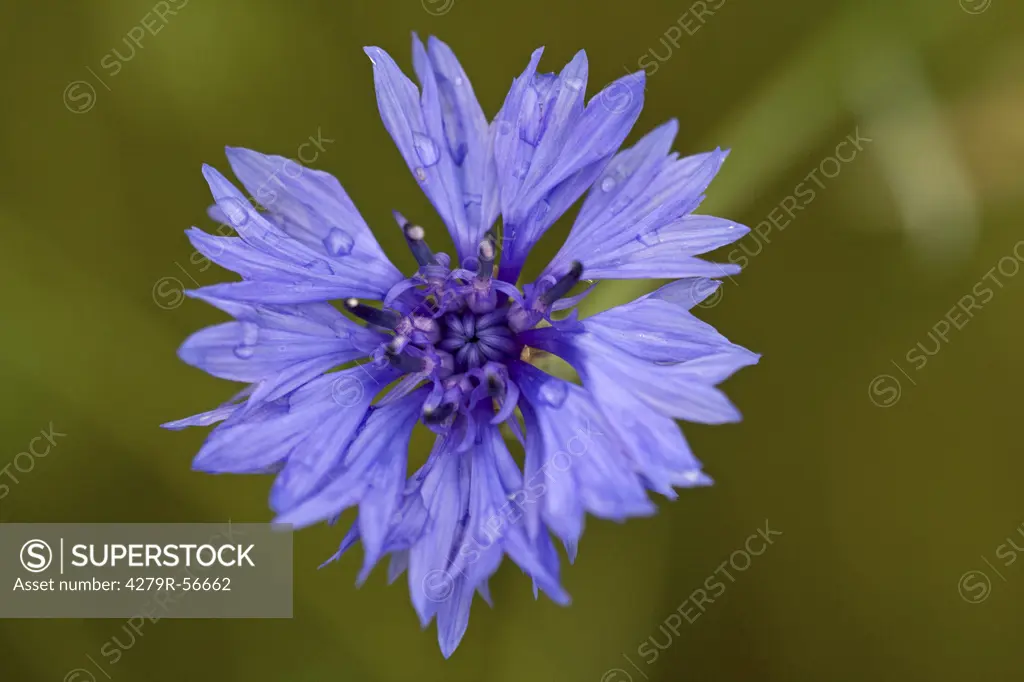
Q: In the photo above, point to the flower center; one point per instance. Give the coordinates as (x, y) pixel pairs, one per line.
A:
(456, 328)
(474, 339)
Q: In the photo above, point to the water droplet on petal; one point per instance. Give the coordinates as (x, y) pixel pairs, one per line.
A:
(421, 175)
(574, 83)
(244, 352)
(234, 212)
(649, 238)
(338, 242)
(608, 184)
(459, 80)
(521, 170)
(319, 267)
(250, 333)
(426, 149)
(554, 392)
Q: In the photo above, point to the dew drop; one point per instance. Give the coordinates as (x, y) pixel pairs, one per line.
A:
(426, 148)
(250, 333)
(338, 242)
(649, 238)
(554, 392)
(521, 170)
(244, 352)
(421, 175)
(459, 80)
(235, 214)
(574, 83)
(608, 184)
(319, 267)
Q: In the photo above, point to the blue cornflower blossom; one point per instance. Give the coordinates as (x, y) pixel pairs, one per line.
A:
(451, 346)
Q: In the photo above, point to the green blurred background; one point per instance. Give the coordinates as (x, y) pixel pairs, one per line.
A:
(889, 482)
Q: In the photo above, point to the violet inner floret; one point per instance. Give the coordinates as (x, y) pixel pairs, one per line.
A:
(457, 328)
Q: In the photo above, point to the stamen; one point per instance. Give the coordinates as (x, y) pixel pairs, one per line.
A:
(426, 331)
(414, 236)
(388, 319)
(495, 388)
(485, 256)
(402, 362)
(562, 286)
(436, 415)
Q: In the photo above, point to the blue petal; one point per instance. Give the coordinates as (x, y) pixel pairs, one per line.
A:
(311, 319)
(548, 148)
(278, 348)
(635, 222)
(468, 136)
(654, 442)
(630, 173)
(621, 356)
(453, 616)
(472, 524)
(418, 129)
(301, 268)
(445, 493)
(312, 207)
(247, 442)
(235, 254)
(495, 518)
(325, 416)
(243, 351)
(684, 390)
(371, 475)
(656, 327)
(211, 416)
(574, 458)
(532, 126)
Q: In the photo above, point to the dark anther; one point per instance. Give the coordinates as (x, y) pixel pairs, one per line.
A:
(564, 285)
(388, 319)
(414, 236)
(436, 415)
(485, 255)
(402, 362)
